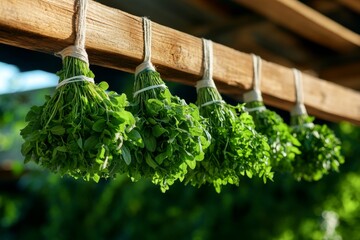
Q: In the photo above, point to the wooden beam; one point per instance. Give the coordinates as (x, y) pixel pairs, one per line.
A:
(352, 4)
(114, 39)
(345, 74)
(306, 22)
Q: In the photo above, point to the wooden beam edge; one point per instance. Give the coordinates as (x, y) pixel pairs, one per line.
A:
(114, 40)
(351, 4)
(306, 22)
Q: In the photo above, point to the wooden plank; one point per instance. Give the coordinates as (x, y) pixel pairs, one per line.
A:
(306, 22)
(114, 39)
(352, 4)
(345, 74)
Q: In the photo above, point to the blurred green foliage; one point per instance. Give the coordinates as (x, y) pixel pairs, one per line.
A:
(35, 204)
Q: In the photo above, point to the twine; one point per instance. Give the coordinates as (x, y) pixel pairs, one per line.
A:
(207, 80)
(148, 88)
(78, 49)
(255, 93)
(299, 108)
(211, 102)
(261, 108)
(80, 78)
(146, 64)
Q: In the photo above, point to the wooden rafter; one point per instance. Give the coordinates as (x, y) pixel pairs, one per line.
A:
(306, 22)
(115, 40)
(346, 74)
(352, 4)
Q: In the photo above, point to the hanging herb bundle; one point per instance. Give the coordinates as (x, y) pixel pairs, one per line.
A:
(320, 148)
(173, 133)
(283, 145)
(236, 148)
(81, 129)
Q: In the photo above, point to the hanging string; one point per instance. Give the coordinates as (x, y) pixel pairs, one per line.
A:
(146, 64)
(208, 59)
(299, 108)
(148, 88)
(255, 93)
(78, 49)
(80, 78)
(207, 80)
(257, 70)
(212, 102)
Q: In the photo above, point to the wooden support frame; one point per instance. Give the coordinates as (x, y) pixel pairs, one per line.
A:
(114, 39)
(352, 4)
(307, 22)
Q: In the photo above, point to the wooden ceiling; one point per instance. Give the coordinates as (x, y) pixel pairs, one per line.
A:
(320, 37)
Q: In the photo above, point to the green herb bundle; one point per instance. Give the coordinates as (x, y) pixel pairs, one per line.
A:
(173, 133)
(283, 145)
(80, 130)
(320, 149)
(236, 148)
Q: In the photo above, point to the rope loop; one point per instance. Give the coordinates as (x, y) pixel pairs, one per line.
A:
(255, 93)
(207, 80)
(78, 49)
(299, 108)
(146, 64)
(79, 78)
(148, 88)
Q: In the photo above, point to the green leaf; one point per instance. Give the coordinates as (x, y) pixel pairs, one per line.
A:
(150, 161)
(103, 85)
(121, 100)
(99, 125)
(96, 178)
(135, 136)
(191, 163)
(80, 142)
(90, 143)
(61, 149)
(26, 148)
(154, 106)
(161, 157)
(157, 130)
(150, 143)
(126, 154)
(248, 173)
(101, 153)
(58, 130)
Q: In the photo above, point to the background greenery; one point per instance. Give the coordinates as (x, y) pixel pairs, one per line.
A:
(35, 204)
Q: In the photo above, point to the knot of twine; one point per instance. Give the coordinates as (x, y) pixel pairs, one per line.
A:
(207, 80)
(78, 49)
(260, 109)
(299, 108)
(255, 93)
(146, 64)
(148, 88)
(79, 78)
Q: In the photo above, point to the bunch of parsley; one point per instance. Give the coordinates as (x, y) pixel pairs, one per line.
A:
(236, 148)
(283, 145)
(81, 129)
(320, 149)
(173, 133)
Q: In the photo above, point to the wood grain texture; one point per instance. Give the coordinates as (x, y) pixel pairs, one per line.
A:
(306, 22)
(114, 40)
